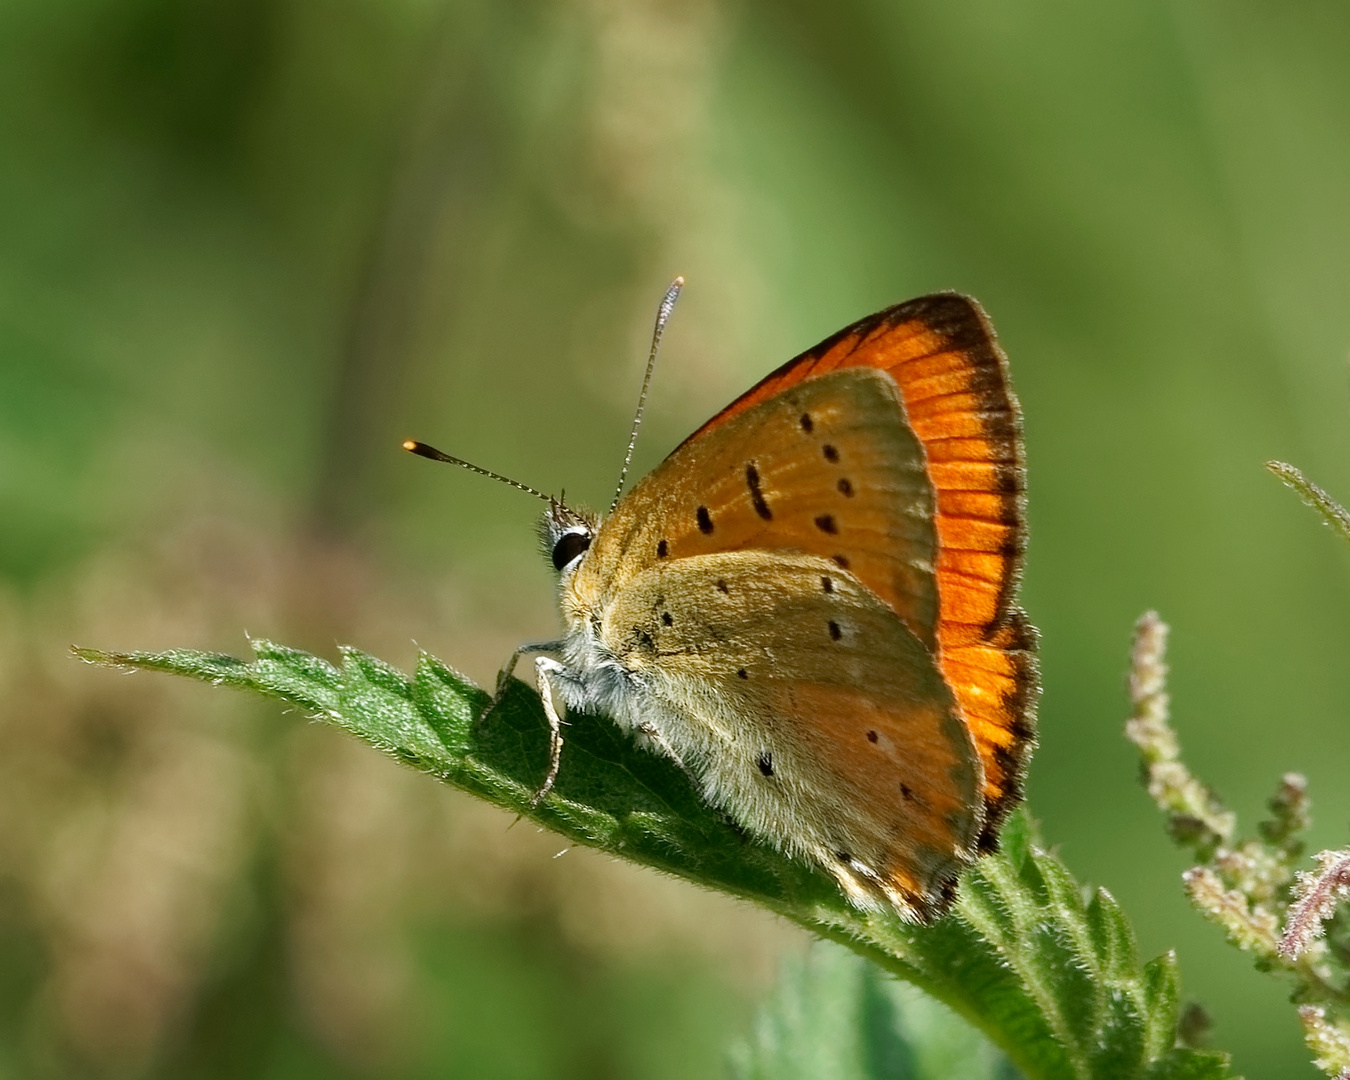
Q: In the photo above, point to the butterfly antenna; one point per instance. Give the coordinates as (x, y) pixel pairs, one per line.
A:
(662, 317)
(421, 449)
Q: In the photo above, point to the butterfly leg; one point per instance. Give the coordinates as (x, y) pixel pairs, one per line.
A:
(650, 731)
(544, 667)
(508, 669)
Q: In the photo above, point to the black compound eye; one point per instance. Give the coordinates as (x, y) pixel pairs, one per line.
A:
(568, 547)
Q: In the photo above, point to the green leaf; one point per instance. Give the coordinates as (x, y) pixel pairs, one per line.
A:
(1183, 1064)
(1051, 978)
(1162, 1001)
(833, 1016)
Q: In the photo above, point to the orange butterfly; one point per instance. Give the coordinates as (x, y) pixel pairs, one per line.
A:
(810, 605)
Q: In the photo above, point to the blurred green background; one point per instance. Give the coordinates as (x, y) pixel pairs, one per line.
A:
(247, 246)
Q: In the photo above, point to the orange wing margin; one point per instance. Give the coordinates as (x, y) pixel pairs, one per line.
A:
(953, 379)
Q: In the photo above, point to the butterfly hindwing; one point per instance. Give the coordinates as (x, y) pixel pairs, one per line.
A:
(807, 707)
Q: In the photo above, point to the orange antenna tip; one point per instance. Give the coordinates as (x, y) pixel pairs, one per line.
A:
(424, 450)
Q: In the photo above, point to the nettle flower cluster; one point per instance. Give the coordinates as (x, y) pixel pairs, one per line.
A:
(1292, 921)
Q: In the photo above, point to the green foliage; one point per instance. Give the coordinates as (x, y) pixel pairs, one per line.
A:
(834, 1016)
(1050, 974)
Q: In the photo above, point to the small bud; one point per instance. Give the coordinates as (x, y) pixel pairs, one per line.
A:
(1316, 895)
(1194, 1027)
(1291, 811)
(1251, 927)
(1328, 1041)
(1196, 817)
(1255, 870)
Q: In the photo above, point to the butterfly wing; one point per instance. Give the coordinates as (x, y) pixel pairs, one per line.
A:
(952, 377)
(810, 710)
(828, 467)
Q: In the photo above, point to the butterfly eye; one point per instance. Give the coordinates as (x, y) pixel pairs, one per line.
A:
(568, 547)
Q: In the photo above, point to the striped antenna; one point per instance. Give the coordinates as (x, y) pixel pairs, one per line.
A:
(662, 317)
(423, 450)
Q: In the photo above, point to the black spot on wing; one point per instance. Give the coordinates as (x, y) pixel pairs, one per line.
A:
(705, 525)
(757, 495)
(825, 523)
(766, 763)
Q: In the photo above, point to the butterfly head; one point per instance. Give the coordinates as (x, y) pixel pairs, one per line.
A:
(566, 535)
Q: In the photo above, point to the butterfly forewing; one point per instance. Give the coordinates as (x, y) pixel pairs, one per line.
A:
(810, 709)
(828, 468)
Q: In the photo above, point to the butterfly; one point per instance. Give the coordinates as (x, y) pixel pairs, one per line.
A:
(810, 605)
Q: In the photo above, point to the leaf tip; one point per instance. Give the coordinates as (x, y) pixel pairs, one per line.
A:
(100, 657)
